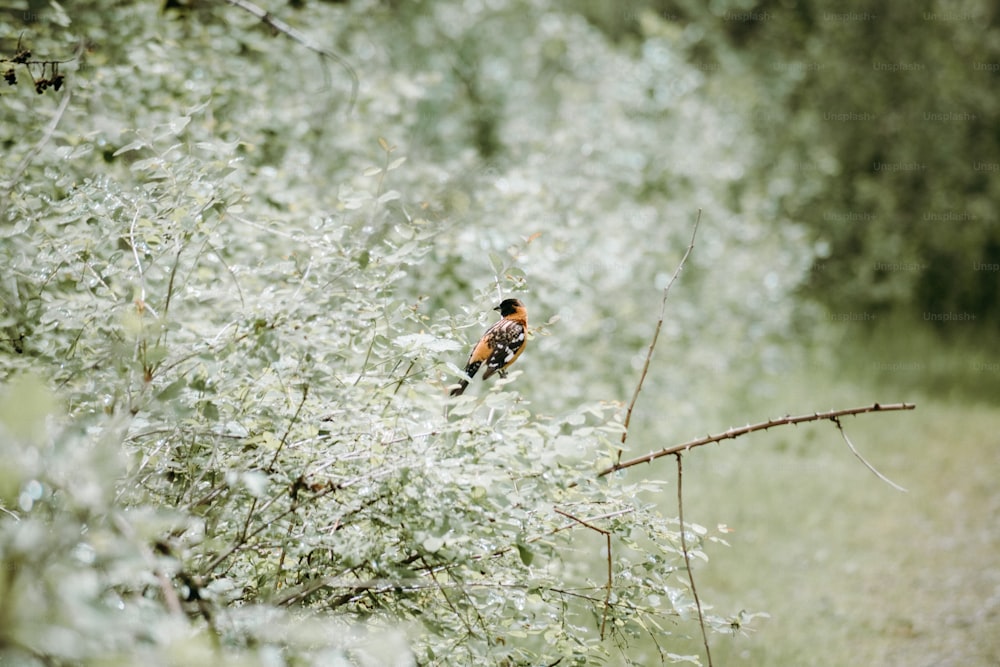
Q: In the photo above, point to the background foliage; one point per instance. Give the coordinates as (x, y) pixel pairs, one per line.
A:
(875, 129)
(232, 302)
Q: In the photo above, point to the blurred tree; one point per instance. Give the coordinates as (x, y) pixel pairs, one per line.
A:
(877, 130)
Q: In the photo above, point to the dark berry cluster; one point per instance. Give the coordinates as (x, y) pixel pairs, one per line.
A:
(55, 81)
(50, 77)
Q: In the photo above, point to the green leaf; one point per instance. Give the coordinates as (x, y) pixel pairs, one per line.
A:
(497, 262)
(210, 411)
(136, 145)
(172, 390)
(526, 554)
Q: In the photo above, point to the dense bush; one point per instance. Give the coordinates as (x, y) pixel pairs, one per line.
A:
(231, 309)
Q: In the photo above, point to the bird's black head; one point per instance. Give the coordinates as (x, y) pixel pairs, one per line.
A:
(509, 307)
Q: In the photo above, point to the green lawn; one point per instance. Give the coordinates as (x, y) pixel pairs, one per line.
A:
(851, 571)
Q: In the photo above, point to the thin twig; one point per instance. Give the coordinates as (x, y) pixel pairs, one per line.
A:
(566, 526)
(299, 484)
(170, 283)
(762, 426)
(836, 420)
(246, 524)
(451, 605)
(232, 274)
(656, 335)
(264, 525)
(687, 557)
(284, 438)
(278, 25)
(607, 539)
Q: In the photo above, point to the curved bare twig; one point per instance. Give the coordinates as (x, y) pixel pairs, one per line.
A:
(762, 426)
(656, 334)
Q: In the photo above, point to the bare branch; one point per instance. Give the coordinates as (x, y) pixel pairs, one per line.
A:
(687, 557)
(762, 426)
(836, 420)
(278, 25)
(288, 431)
(656, 334)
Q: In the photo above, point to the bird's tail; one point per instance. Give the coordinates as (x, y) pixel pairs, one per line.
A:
(462, 384)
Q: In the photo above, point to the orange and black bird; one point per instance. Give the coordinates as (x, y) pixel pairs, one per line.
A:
(500, 346)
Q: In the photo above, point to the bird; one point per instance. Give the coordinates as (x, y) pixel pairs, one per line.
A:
(500, 346)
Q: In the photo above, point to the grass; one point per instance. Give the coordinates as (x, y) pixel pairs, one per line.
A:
(851, 571)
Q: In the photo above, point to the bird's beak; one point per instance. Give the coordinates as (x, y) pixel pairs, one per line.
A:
(497, 308)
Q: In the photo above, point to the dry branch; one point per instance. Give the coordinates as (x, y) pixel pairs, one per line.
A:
(687, 558)
(732, 433)
(656, 334)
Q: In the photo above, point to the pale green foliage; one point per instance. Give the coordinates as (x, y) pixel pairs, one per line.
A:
(240, 310)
